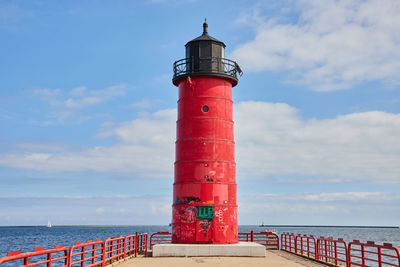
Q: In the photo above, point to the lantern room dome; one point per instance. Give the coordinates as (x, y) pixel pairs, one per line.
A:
(205, 37)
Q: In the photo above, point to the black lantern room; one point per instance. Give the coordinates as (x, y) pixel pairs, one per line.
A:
(205, 55)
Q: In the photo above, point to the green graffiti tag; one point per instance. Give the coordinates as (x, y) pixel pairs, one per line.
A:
(205, 213)
(204, 227)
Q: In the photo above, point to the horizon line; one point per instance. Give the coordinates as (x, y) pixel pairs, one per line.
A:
(165, 225)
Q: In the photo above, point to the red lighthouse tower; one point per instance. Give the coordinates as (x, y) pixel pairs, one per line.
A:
(204, 202)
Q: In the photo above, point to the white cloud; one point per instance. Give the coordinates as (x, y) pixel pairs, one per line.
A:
(344, 208)
(100, 210)
(68, 106)
(145, 147)
(272, 142)
(334, 44)
(79, 97)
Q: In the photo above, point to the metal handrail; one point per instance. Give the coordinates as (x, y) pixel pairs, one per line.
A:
(211, 65)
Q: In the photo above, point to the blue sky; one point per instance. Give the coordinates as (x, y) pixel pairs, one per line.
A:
(88, 110)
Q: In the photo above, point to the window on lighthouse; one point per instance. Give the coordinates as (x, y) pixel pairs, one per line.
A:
(205, 109)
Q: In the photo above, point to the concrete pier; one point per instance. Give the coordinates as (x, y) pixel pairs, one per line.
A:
(274, 258)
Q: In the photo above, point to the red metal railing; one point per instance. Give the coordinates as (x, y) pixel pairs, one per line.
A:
(336, 252)
(91, 253)
(288, 242)
(245, 237)
(99, 253)
(269, 239)
(306, 245)
(87, 254)
(130, 245)
(332, 251)
(57, 255)
(142, 243)
(371, 254)
(160, 238)
(114, 249)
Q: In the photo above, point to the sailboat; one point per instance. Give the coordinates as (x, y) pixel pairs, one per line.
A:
(48, 224)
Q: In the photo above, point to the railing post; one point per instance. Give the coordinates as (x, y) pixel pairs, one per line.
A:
(347, 253)
(111, 251)
(348, 256)
(326, 250)
(147, 244)
(136, 244)
(118, 250)
(124, 244)
(49, 260)
(379, 257)
(277, 240)
(363, 254)
(93, 253)
(103, 255)
(315, 246)
(83, 257)
(252, 236)
(336, 261)
(302, 245)
(66, 262)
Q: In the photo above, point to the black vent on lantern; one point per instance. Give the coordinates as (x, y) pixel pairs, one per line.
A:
(205, 55)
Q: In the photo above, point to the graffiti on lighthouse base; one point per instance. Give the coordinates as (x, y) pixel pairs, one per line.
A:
(188, 214)
(205, 213)
(186, 200)
(204, 226)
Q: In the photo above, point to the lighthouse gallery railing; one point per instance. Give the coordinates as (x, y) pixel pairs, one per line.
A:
(211, 65)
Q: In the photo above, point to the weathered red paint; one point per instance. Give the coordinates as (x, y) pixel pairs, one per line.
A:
(205, 178)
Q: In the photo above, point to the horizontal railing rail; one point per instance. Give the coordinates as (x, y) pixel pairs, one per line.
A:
(57, 255)
(306, 245)
(131, 245)
(288, 242)
(160, 238)
(115, 249)
(87, 254)
(336, 252)
(91, 253)
(371, 254)
(332, 251)
(269, 239)
(244, 237)
(142, 243)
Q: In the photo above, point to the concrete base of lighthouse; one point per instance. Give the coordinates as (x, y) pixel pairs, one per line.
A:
(241, 249)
